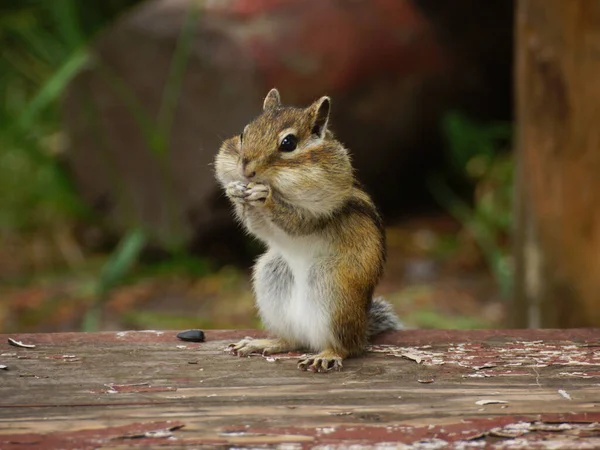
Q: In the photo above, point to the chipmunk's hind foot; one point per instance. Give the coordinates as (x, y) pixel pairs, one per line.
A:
(325, 361)
(249, 346)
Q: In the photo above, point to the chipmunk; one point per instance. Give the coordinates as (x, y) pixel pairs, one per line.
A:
(293, 187)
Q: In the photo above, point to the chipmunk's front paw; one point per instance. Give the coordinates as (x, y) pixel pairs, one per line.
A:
(261, 346)
(257, 192)
(236, 190)
(323, 362)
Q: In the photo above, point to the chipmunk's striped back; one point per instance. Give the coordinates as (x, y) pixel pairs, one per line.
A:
(293, 187)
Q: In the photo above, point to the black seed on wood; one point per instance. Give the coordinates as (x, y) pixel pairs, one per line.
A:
(191, 335)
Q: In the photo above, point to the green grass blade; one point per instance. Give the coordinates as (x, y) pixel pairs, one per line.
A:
(121, 261)
(65, 15)
(172, 90)
(115, 269)
(52, 89)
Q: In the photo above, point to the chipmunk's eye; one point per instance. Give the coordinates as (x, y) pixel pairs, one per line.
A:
(288, 143)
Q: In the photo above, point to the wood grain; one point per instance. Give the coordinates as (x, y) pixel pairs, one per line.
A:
(557, 58)
(77, 390)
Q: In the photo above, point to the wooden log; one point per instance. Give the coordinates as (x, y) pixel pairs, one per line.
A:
(558, 194)
(421, 388)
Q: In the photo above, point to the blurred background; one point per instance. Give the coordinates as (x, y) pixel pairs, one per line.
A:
(111, 112)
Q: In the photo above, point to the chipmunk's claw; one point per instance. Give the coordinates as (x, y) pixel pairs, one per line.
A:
(323, 362)
(251, 193)
(257, 192)
(263, 347)
(236, 190)
(237, 348)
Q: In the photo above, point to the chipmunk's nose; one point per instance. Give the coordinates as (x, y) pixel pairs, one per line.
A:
(248, 169)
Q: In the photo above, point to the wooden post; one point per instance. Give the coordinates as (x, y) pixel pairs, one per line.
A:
(558, 178)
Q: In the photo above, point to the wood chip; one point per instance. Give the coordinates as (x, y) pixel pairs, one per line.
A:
(15, 343)
(564, 394)
(426, 380)
(487, 401)
(476, 436)
(158, 434)
(485, 366)
(477, 375)
(551, 427)
(412, 357)
(163, 433)
(3, 367)
(500, 432)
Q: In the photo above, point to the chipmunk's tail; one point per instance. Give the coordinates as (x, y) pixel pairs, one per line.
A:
(382, 317)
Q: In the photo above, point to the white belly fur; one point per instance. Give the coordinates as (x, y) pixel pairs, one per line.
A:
(304, 316)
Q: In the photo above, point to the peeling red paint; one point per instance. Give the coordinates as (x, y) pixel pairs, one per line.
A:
(489, 360)
(531, 428)
(590, 337)
(501, 431)
(89, 439)
(240, 402)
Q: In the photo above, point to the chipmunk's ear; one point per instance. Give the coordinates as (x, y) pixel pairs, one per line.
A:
(319, 112)
(272, 100)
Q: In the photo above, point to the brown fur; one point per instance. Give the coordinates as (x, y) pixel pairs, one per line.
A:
(312, 192)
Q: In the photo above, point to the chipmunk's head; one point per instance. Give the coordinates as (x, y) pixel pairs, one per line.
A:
(292, 150)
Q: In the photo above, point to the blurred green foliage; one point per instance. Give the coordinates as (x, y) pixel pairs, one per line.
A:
(432, 319)
(42, 46)
(116, 267)
(478, 155)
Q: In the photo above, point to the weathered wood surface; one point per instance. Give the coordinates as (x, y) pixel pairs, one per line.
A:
(148, 389)
(557, 56)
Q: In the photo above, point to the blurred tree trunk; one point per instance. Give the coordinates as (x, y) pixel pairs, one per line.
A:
(558, 180)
